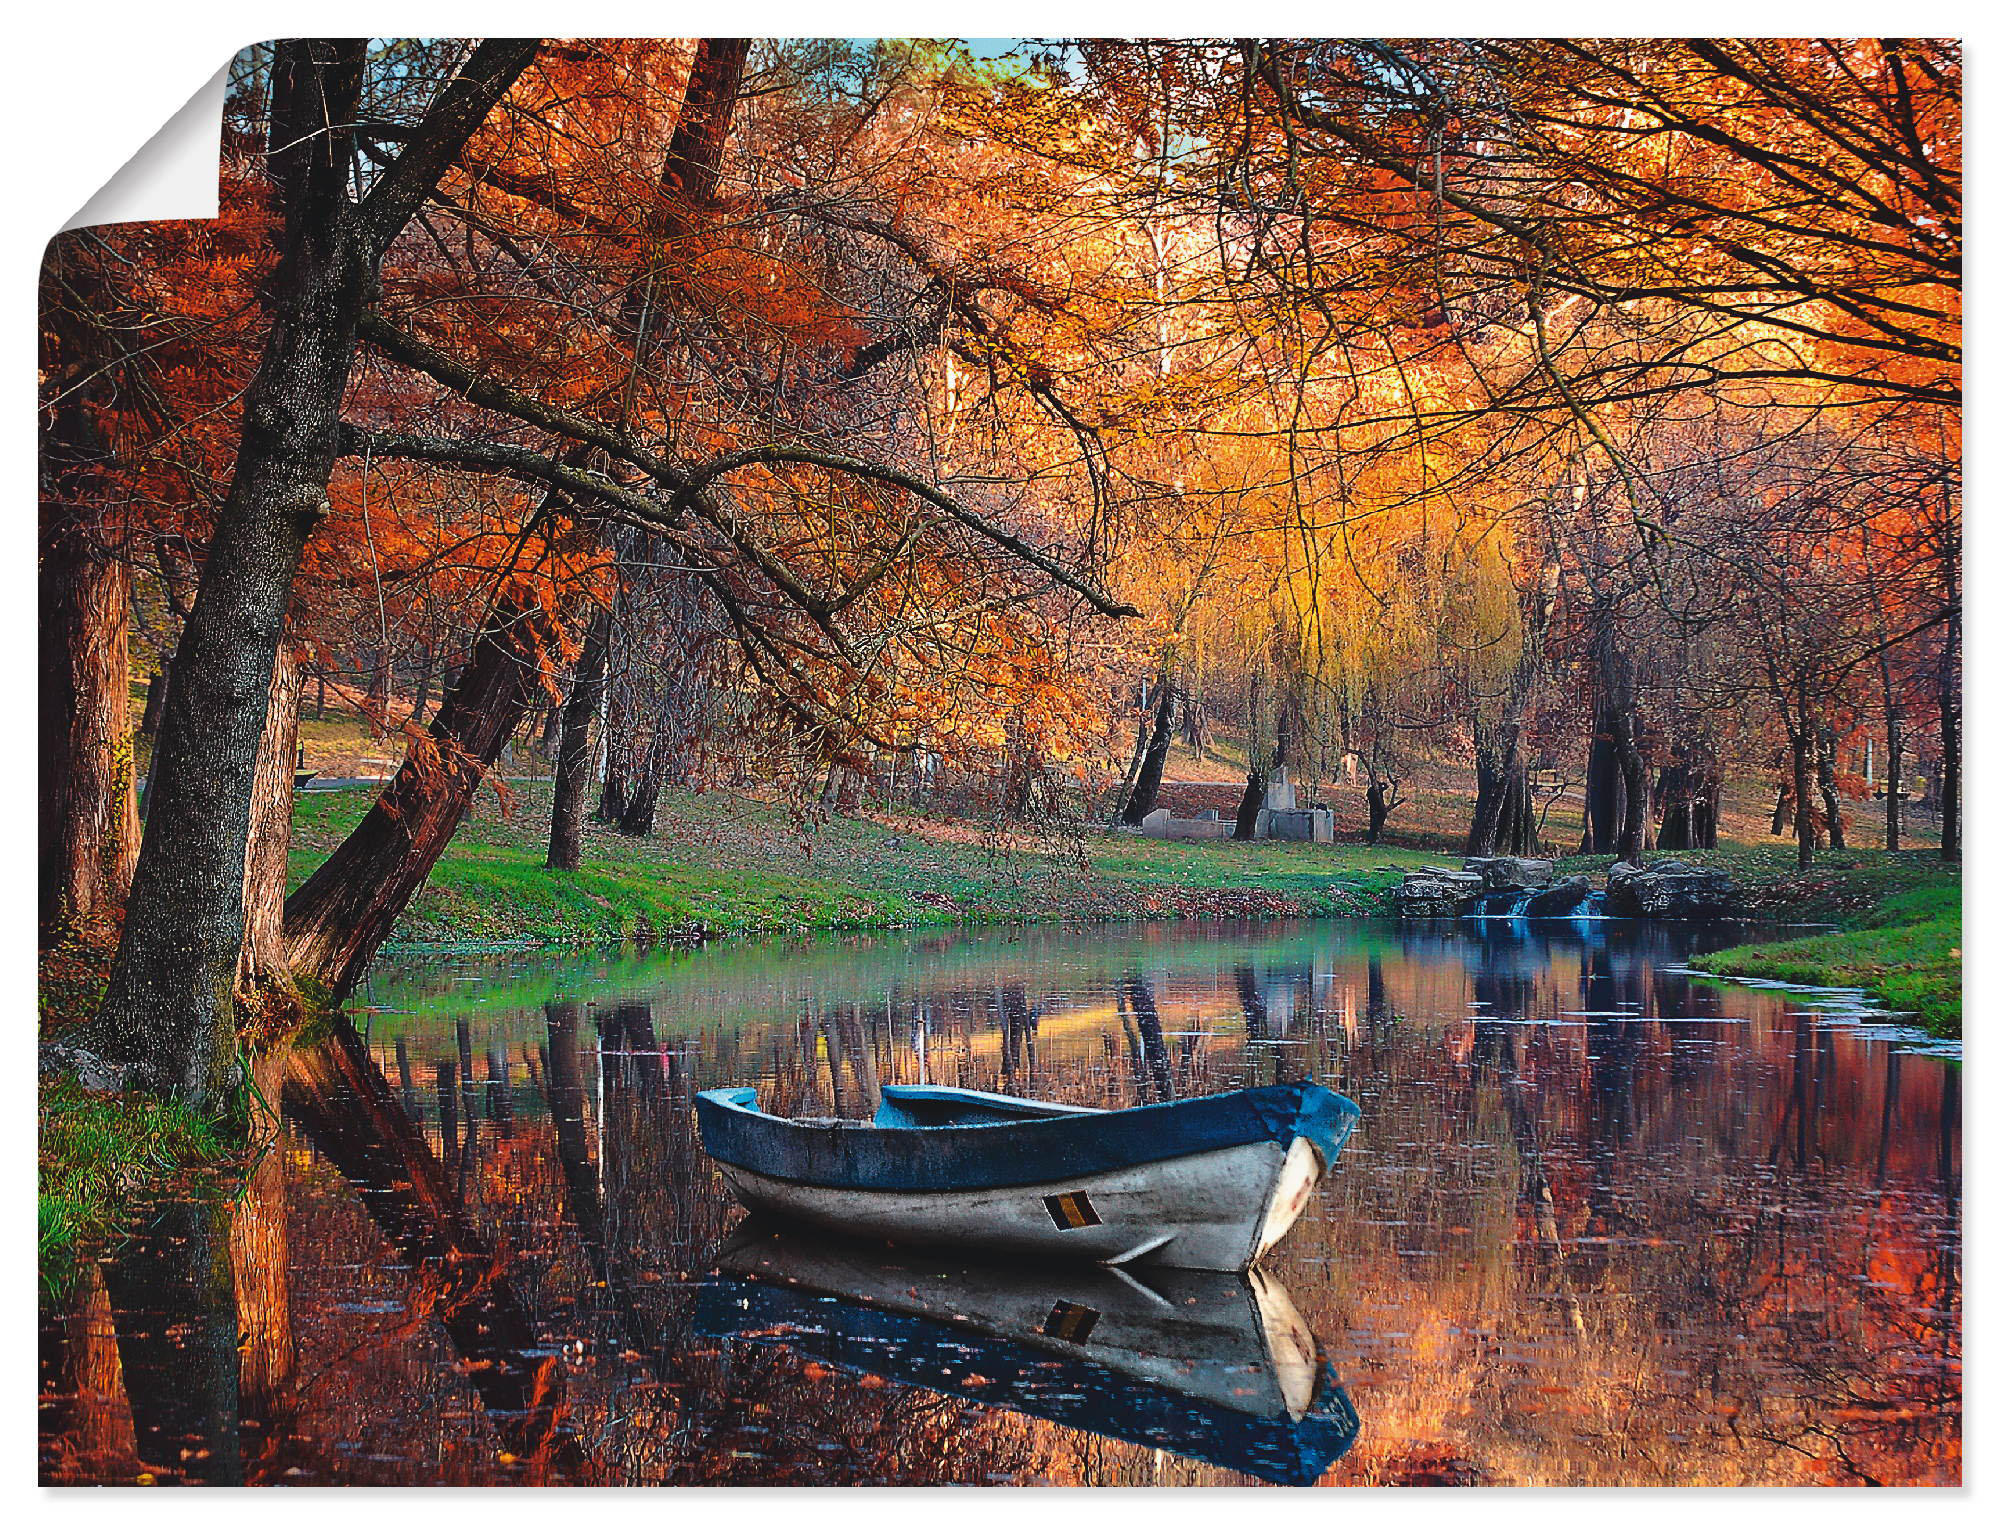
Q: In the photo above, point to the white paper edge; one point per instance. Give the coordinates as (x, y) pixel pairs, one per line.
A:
(175, 176)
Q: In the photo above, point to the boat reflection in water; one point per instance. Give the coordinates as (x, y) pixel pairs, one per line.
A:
(1209, 1365)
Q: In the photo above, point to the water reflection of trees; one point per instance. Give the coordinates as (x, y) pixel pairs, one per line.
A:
(1564, 1248)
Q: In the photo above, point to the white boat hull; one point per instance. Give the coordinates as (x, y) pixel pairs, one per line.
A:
(1216, 1211)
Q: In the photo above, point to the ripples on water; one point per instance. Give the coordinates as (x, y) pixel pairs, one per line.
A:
(1600, 1224)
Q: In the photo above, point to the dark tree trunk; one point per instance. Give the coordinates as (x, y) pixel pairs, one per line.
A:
(637, 818)
(1688, 797)
(1892, 800)
(1503, 815)
(1146, 787)
(339, 917)
(1631, 842)
(168, 1008)
(1603, 790)
(1248, 807)
(1829, 793)
(156, 701)
(573, 752)
(1378, 810)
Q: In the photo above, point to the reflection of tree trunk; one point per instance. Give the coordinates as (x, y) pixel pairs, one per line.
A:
(92, 1415)
(582, 1181)
(261, 1262)
(1152, 1041)
(344, 1105)
(1257, 1022)
(175, 1309)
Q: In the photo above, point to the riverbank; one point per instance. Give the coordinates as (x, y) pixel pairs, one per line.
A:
(722, 863)
(1905, 952)
(726, 862)
(98, 1153)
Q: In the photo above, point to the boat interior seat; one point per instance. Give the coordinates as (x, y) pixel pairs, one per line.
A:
(948, 1107)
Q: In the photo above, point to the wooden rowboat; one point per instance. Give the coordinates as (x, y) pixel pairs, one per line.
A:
(1210, 1183)
(1211, 1366)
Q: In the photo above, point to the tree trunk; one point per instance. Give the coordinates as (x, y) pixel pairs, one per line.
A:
(637, 817)
(1829, 792)
(1603, 790)
(87, 812)
(1503, 816)
(339, 917)
(168, 1009)
(1948, 736)
(1378, 810)
(1146, 787)
(573, 751)
(1248, 807)
(88, 802)
(263, 968)
(156, 701)
(1802, 781)
(1892, 714)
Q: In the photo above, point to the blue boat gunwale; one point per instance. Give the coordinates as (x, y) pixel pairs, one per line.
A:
(1041, 1147)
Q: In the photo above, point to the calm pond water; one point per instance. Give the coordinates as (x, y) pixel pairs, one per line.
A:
(1600, 1224)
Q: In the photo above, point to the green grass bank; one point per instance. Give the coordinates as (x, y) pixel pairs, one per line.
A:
(1905, 951)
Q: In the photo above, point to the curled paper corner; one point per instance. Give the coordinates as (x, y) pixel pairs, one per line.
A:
(175, 175)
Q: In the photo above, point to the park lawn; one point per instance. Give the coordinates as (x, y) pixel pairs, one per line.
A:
(1907, 954)
(724, 862)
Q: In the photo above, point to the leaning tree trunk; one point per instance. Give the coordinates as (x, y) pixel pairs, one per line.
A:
(1146, 787)
(168, 1009)
(339, 917)
(573, 752)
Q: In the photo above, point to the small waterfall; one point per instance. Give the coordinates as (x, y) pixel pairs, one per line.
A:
(1499, 905)
(1592, 908)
